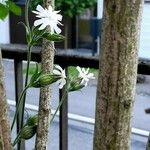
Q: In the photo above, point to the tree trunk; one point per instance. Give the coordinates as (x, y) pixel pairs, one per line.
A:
(47, 55)
(4, 118)
(118, 72)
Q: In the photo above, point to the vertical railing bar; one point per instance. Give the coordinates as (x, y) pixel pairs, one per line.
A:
(63, 120)
(18, 69)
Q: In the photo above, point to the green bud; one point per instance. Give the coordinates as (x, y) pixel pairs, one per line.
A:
(44, 80)
(75, 85)
(32, 121)
(76, 88)
(28, 132)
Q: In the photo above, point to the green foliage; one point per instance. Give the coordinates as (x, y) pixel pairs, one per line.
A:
(69, 8)
(3, 11)
(74, 7)
(10, 6)
(14, 8)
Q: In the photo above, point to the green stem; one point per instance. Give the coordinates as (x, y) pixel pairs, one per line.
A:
(27, 14)
(17, 139)
(26, 83)
(18, 106)
(61, 102)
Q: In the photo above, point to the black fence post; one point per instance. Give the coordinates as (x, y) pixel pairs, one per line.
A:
(95, 30)
(63, 121)
(18, 89)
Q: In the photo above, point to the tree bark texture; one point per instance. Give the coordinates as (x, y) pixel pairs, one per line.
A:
(1, 139)
(4, 118)
(118, 72)
(47, 56)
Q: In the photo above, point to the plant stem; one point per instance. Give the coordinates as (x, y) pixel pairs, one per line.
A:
(60, 104)
(27, 14)
(16, 139)
(18, 106)
(26, 83)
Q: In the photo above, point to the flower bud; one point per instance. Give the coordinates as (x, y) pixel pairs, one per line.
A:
(75, 85)
(44, 80)
(28, 132)
(76, 88)
(32, 121)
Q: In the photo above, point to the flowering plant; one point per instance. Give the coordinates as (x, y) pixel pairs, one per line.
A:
(46, 18)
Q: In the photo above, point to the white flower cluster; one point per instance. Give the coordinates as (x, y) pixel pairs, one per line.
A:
(48, 17)
(58, 71)
(84, 75)
(3, 2)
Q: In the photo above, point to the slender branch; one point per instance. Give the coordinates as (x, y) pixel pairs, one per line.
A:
(60, 104)
(18, 106)
(26, 83)
(17, 139)
(27, 14)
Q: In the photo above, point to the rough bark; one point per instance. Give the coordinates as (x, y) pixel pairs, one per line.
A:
(1, 139)
(47, 56)
(4, 118)
(118, 72)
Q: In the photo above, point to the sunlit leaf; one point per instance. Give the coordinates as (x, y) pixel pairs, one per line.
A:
(3, 11)
(14, 8)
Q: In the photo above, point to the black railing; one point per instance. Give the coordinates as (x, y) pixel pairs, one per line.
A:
(64, 58)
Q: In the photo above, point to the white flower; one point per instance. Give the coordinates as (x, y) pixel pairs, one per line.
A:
(48, 17)
(85, 75)
(60, 72)
(3, 2)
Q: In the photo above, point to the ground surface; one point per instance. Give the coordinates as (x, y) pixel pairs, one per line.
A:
(83, 103)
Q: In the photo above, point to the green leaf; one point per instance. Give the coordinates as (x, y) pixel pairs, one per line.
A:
(3, 11)
(35, 76)
(14, 8)
(53, 37)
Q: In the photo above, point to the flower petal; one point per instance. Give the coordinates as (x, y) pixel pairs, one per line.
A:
(43, 26)
(58, 67)
(40, 8)
(79, 69)
(62, 83)
(50, 9)
(57, 29)
(38, 22)
(56, 72)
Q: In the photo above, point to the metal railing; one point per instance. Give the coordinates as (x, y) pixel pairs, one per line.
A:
(64, 58)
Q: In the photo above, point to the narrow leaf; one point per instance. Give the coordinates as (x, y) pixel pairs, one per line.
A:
(53, 37)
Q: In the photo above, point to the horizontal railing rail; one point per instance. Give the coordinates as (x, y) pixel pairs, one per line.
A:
(65, 58)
